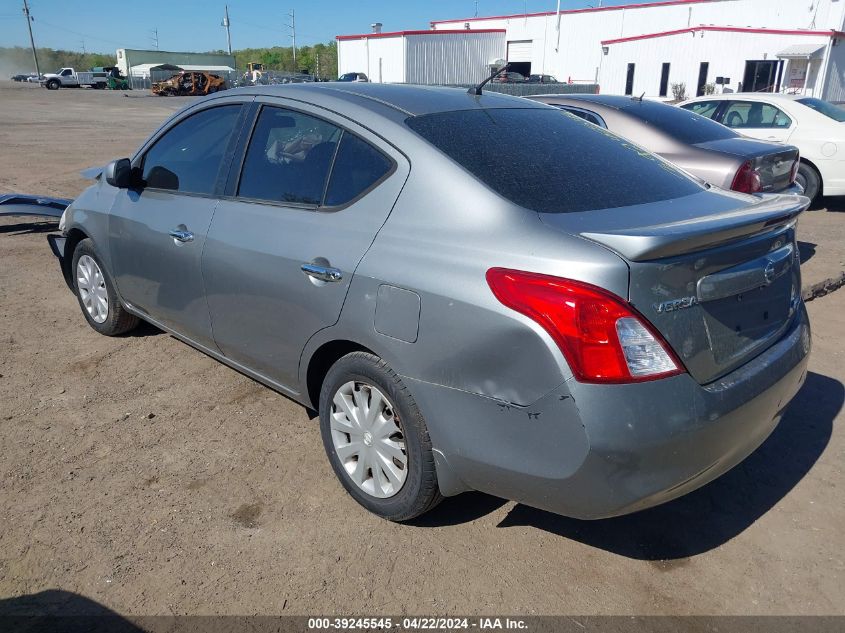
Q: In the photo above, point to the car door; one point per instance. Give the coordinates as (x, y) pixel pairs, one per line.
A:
(157, 231)
(313, 191)
(758, 119)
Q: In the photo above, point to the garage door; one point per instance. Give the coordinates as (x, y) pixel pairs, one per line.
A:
(520, 50)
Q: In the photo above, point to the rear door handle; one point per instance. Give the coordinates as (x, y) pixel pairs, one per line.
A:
(323, 273)
(182, 236)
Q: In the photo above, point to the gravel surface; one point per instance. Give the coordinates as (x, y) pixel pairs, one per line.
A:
(148, 478)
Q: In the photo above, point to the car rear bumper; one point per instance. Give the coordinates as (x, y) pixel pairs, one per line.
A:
(595, 451)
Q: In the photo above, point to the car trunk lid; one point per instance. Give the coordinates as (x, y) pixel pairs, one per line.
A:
(772, 161)
(720, 285)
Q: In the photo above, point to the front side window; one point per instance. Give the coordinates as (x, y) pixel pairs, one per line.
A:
(188, 157)
(551, 163)
(704, 108)
(755, 115)
(289, 157)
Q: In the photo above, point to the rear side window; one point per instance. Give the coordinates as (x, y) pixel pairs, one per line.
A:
(357, 167)
(755, 115)
(289, 157)
(583, 114)
(187, 157)
(550, 163)
(680, 124)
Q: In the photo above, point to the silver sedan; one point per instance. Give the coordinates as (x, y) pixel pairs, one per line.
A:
(471, 291)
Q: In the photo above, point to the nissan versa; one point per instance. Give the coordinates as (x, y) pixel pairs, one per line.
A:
(473, 292)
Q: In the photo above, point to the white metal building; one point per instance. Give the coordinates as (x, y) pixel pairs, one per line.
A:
(422, 57)
(753, 45)
(137, 63)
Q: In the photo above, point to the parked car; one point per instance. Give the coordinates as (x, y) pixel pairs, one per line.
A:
(353, 77)
(34, 79)
(542, 79)
(702, 147)
(568, 321)
(814, 126)
(510, 78)
(21, 77)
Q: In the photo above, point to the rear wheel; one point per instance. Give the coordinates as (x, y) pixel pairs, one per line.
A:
(810, 180)
(376, 439)
(96, 293)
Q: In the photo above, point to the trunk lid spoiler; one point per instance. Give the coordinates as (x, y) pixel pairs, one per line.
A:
(19, 204)
(690, 234)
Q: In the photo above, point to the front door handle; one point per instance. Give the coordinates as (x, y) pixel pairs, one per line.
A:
(323, 273)
(182, 236)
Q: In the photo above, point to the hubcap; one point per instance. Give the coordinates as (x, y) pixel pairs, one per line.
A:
(92, 288)
(368, 439)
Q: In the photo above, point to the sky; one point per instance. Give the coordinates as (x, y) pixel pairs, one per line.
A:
(195, 25)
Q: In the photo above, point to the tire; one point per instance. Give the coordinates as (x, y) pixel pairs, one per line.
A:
(810, 179)
(403, 432)
(53, 84)
(114, 319)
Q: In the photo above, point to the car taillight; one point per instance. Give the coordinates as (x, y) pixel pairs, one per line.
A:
(602, 337)
(747, 179)
(793, 173)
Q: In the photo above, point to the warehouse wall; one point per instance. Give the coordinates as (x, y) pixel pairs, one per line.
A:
(835, 85)
(578, 54)
(380, 58)
(705, 46)
(452, 59)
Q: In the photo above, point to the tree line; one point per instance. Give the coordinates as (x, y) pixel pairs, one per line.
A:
(320, 59)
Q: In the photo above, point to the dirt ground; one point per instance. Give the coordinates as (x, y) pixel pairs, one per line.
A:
(144, 476)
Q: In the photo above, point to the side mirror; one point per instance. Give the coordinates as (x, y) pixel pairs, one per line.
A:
(119, 173)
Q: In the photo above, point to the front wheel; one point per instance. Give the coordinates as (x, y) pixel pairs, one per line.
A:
(810, 180)
(376, 439)
(96, 293)
(53, 84)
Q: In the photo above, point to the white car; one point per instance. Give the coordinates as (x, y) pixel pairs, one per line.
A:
(816, 127)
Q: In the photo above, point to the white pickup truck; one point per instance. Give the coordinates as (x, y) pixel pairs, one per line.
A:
(69, 78)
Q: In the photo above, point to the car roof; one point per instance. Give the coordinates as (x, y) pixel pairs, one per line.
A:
(622, 103)
(749, 96)
(408, 99)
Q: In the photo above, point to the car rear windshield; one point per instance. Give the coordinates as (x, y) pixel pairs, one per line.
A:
(550, 163)
(682, 125)
(824, 107)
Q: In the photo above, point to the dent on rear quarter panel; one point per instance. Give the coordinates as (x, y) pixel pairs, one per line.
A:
(439, 243)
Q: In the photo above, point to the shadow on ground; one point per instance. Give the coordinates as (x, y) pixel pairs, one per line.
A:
(701, 520)
(55, 611)
(836, 204)
(716, 513)
(806, 251)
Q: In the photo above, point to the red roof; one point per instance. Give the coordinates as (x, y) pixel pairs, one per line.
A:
(724, 29)
(429, 32)
(644, 5)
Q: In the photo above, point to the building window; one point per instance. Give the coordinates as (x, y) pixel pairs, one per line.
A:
(629, 81)
(664, 80)
(702, 78)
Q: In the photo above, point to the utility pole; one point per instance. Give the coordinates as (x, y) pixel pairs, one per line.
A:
(476, 8)
(154, 38)
(29, 19)
(84, 52)
(292, 27)
(225, 23)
